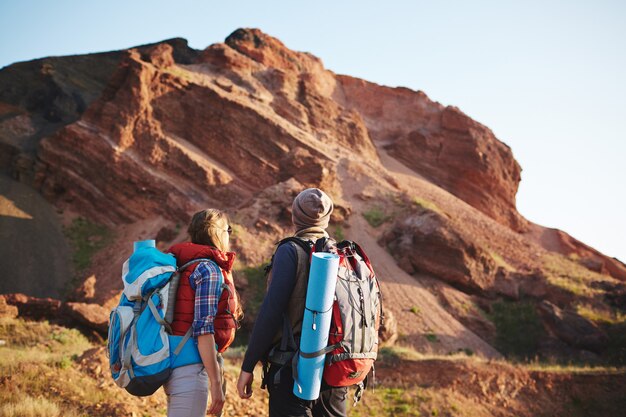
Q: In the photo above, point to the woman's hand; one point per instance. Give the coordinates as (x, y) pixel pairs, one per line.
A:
(244, 384)
(217, 399)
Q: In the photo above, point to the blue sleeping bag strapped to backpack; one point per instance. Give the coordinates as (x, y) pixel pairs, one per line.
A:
(315, 325)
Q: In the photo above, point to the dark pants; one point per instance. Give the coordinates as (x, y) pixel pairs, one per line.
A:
(283, 403)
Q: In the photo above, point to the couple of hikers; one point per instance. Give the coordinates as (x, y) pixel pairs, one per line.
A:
(198, 301)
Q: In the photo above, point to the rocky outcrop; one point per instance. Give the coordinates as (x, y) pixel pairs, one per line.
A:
(7, 310)
(139, 171)
(427, 242)
(442, 144)
(166, 125)
(555, 240)
(33, 307)
(39, 97)
(93, 316)
(164, 137)
(572, 328)
(388, 332)
(465, 309)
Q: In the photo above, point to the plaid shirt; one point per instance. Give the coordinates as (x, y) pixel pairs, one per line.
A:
(206, 280)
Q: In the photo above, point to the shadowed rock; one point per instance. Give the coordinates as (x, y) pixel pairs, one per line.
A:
(572, 328)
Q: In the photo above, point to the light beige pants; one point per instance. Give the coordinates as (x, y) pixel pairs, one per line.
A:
(187, 391)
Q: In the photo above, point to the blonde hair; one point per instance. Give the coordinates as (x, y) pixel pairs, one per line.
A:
(207, 227)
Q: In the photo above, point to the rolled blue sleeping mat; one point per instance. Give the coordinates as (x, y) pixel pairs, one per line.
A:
(316, 324)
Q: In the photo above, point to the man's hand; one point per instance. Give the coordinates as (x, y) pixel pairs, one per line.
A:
(244, 384)
(217, 399)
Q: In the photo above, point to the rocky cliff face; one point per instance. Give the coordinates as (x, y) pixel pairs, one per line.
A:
(139, 139)
(164, 137)
(441, 143)
(215, 113)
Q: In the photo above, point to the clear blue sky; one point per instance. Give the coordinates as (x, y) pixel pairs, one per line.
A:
(548, 77)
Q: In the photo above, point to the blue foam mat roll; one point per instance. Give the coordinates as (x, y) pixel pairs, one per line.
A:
(316, 324)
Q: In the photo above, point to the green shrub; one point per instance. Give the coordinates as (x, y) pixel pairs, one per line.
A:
(86, 238)
(518, 329)
(339, 235)
(257, 285)
(431, 337)
(376, 216)
(254, 294)
(64, 363)
(616, 349)
(468, 351)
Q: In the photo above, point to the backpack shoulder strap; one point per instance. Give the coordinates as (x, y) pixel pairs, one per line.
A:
(174, 282)
(306, 245)
(193, 261)
(320, 244)
(287, 342)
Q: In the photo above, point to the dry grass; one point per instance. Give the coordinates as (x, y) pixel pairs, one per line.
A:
(401, 352)
(409, 402)
(28, 406)
(501, 262)
(600, 315)
(38, 385)
(428, 205)
(573, 368)
(38, 343)
(41, 375)
(566, 274)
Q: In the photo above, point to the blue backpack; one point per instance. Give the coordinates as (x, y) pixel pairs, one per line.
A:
(142, 352)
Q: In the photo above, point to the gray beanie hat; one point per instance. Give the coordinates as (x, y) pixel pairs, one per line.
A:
(311, 208)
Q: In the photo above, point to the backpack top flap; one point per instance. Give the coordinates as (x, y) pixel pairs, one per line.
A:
(146, 270)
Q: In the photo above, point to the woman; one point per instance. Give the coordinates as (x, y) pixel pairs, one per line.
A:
(207, 308)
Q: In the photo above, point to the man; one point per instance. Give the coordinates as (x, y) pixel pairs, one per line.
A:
(282, 311)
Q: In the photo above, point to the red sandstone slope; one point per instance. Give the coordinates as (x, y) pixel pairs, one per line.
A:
(244, 125)
(440, 143)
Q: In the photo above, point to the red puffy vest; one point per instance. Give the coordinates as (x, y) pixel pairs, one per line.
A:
(225, 323)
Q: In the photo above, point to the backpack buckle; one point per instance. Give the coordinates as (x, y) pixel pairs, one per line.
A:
(347, 251)
(358, 393)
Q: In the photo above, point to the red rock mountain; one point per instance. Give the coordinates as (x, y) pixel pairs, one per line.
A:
(138, 139)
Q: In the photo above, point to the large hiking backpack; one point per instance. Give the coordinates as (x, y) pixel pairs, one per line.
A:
(138, 346)
(356, 317)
